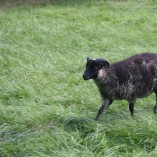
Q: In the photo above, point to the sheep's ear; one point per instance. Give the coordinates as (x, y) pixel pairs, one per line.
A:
(88, 59)
(105, 63)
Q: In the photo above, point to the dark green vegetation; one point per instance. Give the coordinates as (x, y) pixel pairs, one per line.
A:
(46, 109)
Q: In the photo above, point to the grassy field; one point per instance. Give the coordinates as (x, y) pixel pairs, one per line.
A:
(46, 108)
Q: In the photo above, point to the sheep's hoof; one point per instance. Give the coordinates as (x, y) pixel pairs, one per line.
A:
(155, 109)
(96, 119)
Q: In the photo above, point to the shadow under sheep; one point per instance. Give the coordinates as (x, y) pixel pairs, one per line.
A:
(83, 125)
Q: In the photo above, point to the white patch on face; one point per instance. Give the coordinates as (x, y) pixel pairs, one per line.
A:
(144, 62)
(101, 73)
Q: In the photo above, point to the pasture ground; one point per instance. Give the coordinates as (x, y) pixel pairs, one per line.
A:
(46, 108)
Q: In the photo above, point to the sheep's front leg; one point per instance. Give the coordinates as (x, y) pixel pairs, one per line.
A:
(131, 105)
(131, 108)
(105, 104)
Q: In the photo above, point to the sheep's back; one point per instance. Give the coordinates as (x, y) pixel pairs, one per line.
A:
(137, 74)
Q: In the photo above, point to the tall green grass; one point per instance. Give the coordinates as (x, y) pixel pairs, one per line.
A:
(46, 109)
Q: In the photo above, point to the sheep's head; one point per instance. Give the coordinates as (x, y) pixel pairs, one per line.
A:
(93, 67)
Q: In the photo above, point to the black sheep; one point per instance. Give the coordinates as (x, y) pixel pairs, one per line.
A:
(132, 78)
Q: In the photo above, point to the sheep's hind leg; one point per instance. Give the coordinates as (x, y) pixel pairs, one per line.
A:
(131, 105)
(155, 107)
(131, 108)
(105, 104)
